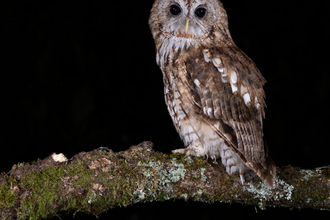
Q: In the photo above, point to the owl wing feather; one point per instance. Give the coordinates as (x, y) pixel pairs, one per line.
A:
(228, 90)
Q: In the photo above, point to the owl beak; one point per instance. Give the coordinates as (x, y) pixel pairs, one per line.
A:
(187, 25)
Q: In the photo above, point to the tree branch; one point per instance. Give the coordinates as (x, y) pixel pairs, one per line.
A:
(98, 180)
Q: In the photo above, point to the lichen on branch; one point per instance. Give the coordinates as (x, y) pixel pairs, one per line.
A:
(96, 181)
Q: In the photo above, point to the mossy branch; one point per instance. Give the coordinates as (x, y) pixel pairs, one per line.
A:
(96, 181)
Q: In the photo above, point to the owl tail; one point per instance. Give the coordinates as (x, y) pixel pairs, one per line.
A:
(267, 170)
(270, 169)
(269, 173)
(266, 173)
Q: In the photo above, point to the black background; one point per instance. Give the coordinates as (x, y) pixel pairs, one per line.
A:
(78, 76)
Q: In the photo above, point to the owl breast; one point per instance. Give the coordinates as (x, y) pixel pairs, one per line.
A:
(198, 136)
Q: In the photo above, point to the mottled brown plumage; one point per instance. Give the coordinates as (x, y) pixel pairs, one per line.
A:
(213, 91)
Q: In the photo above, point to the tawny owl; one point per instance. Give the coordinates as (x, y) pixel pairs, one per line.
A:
(213, 91)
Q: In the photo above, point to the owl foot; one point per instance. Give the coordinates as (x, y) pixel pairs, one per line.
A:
(186, 151)
(190, 152)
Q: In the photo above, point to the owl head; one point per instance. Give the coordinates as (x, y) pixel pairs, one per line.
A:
(190, 19)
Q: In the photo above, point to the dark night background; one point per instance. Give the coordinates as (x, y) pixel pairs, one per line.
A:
(78, 76)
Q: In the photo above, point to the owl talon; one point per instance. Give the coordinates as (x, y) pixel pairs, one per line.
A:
(179, 151)
(241, 176)
(186, 151)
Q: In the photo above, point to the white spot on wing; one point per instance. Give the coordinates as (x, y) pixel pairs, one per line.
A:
(233, 82)
(233, 87)
(243, 90)
(224, 77)
(246, 98)
(206, 55)
(216, 62)
(206, 58)
(197, 83)
(256, 101)
(217, 112)
(233, 77)
(209, 111)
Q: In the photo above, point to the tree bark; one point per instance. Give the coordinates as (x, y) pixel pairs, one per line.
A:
(98, 180)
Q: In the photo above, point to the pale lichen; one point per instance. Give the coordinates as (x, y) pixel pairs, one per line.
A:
(198, 196)
(160, 175)
(147, 173)
(139, 193)
(199, 192)
(188, 159)
(203, 177)
(265, 193)
(92, 197)
(177, 171)
(184, 195)
(307, 174)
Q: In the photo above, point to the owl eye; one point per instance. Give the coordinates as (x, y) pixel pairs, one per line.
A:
(175, 9)
(200, 11)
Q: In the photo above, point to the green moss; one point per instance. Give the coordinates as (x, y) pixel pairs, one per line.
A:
(45, 186)
(152, 179)
(200, 163)
(158, 177)
(179, 157)
(82, 176)
(309, 191)
(158, 156)
(7, 193)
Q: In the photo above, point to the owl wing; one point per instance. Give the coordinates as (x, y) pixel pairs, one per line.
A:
(228, 90)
